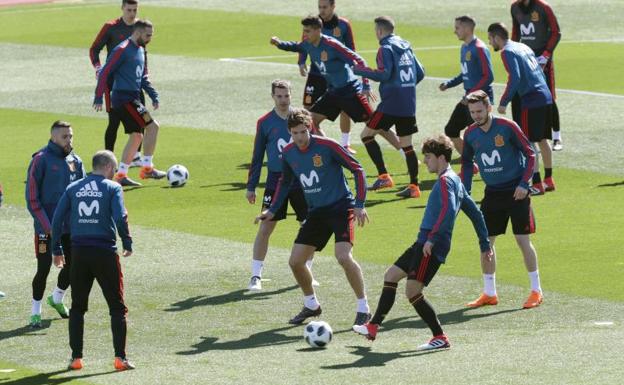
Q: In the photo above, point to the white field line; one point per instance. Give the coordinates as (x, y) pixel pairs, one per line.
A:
(437, 79)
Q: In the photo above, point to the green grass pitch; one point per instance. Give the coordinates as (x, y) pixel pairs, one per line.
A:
(190, 320)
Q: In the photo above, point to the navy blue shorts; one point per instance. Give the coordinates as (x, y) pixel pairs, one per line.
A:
(405, 125)
(317, 229)
(416, 265)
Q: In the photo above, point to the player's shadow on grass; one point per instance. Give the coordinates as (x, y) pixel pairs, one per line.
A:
(449, 318)
(46, 378)
(233, 296)
(615, 184)
(25, 331)
(371, 359)
(257, 340)
(234, 186)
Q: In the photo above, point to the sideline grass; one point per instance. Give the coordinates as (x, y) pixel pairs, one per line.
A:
(568, 239)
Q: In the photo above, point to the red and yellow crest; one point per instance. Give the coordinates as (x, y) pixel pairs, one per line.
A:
(337, 32)
(317, 160)
(468, 56)
(72, 166)
(324, 55)
(534, 16)
(499, 141)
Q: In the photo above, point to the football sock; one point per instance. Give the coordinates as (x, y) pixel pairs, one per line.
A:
(374, 151)
(345, 139)
(547, 172)
(412, 163)
(386, 301)
(362, 305)
(137, 155)
(311, 302)
(36, 307)
(556, 135)
(147, 161)
(256, 268)
(426, 312)
(537, 178)
(535, 281)
(123, 168)
(489, 284)
(58, 295)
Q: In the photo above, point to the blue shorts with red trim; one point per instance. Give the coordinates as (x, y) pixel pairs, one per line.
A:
(416, 265)
(317, 229)
(133, 115)
(500, 206)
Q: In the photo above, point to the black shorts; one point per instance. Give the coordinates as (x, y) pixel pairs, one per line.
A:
(498, 206)
(417, 267)
(297, 202)
(405, 125)
(315, 87)
(460, 119)
(356, 106)
(535, 122)
(134, 116)
(316, 230)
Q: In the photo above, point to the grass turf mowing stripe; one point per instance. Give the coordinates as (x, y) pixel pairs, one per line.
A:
(577, 238)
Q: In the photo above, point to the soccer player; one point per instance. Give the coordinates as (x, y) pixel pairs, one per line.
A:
(93, 207)
(272, 136)
(50, 171)
(505, 160)
(317, 162)
(535, 24)
(340, 29)
(526, 78)
(476, 74)
(421, 261)
(398, 72)
(345, 92)
(112, 33)
(128, 67)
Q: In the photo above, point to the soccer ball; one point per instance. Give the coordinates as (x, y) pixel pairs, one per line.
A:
(177, 175)
(318, 334)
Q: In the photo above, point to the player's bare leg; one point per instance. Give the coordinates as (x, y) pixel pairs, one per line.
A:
(345, 129)
(298, 257)
(488, 267)
(134, 140)
(149, 147)
(392, 138)
(354, 275)
(260, 249)
(530, 262)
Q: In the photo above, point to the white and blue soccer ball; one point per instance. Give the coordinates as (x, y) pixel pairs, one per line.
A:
(318, 334)
(177, 175)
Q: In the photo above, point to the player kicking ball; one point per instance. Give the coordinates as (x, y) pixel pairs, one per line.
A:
(420, 262)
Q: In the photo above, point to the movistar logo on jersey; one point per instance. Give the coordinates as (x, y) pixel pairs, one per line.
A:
(308, 181)
(281, 143)
(405, 60)
(85, 210)
(492, 159)
(528, 29)
(407, 76)
(90, 190)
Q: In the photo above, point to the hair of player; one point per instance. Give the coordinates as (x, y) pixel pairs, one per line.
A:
(278, 83)
(478, 96)
(312, 21)
(142, 24)
(468, 20)
(129, 2)
(385, 23)
(298, 116)
(102, 159)
(59, 124)
(499, 29)
(439, 145)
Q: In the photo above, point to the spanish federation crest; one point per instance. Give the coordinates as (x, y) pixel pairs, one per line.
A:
(323, 55)
(534, 16)
(468, 56)
(317, 160)
(499, 141)
(337, 32)
(72, 166)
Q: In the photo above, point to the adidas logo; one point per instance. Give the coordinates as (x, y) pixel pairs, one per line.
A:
(405, 60)
(89, 190)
